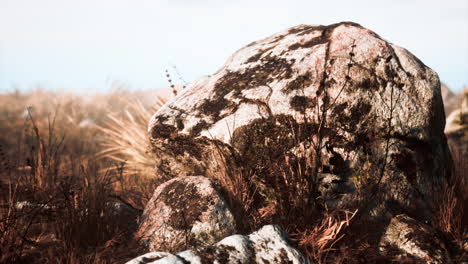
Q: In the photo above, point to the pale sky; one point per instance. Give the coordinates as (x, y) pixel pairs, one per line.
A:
(89, 45)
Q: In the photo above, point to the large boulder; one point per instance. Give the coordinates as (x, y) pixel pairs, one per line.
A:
(415, 240)
(185, 212)
(367, 113)
(267, 245)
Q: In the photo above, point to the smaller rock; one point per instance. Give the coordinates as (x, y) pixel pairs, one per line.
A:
(456, 127)
(183, 213)
(458, 119)
(452, 101)
(270, 246)
(157, 257)
(267, 245)
(414, 239)
(332, 187)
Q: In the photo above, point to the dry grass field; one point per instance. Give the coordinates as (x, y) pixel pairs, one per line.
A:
(76, 173)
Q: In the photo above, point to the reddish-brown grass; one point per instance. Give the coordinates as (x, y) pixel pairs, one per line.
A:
(59, 201)
(451, 206)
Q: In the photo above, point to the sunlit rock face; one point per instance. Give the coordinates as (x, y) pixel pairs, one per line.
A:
(366, 113)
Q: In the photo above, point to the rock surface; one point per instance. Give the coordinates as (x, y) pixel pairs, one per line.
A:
(415, 240)
(185, 212)
(451, 100)
(456, 128)
(348, 98)
(267, 245)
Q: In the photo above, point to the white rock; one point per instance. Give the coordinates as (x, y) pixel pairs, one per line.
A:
(267, 245)
(157, 257)
(414, 239)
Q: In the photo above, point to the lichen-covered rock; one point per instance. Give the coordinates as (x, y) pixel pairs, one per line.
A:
(368, 112)
(267, 245)
(185, 212)
(414, 239)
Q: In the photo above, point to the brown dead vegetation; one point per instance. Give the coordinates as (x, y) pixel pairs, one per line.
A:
(65, 196)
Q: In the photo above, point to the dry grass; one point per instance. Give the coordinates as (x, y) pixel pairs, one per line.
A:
(13, 226)
(238, 190)
(60, 202)
(320, 240)
(451, 209)
(289, 203)
(126, 140)
(125, 144)
(56, 201)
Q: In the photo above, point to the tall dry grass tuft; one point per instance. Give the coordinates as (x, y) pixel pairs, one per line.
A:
(451, 208)
(322, 238)
(125, 144)
(238, 189)
(126, 139)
